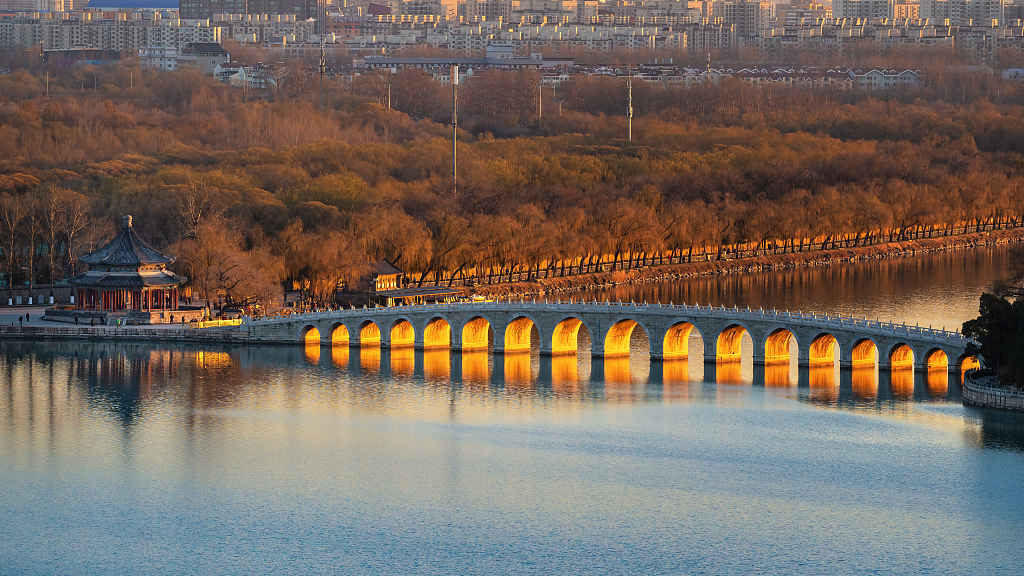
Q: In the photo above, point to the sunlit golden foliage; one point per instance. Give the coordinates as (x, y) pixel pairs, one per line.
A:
(273, 190)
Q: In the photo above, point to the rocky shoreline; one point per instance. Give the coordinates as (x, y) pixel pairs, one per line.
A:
(599, 280)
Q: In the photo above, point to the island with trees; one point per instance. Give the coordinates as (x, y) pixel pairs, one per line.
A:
(999, 335)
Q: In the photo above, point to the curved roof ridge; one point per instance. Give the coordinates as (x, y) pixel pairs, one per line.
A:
(126, 249)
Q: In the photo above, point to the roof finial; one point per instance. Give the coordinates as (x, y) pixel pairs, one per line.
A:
(128, 221)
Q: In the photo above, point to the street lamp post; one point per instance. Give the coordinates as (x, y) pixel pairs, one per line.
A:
(455, 124)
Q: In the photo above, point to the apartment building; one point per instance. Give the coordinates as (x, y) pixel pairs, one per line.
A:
(863, 9)
(124, 31)
(962, 12)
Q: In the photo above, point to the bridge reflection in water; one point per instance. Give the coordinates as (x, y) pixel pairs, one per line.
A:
(45, 379)
(633, 377)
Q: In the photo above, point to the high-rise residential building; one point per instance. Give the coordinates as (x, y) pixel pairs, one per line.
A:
(34, 5)
(300, 9)
(863, 9)
(440, 8)
(748, 17)
(962, 12)
(489, 9)
(1013, 11)
(790, 14)
(907, 10)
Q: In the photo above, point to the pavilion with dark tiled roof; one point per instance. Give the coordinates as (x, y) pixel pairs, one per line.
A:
(127, 275)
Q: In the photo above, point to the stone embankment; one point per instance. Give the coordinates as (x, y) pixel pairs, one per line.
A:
(765, 263)
(982, 389)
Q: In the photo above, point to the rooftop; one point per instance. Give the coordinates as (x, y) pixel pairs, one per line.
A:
(126, 249)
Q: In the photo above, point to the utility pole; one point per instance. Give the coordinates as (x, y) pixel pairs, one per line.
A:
(629, 109)
(455, 124)
(323, 67)
(540, 101)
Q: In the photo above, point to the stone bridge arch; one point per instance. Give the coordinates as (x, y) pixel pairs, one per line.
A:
(309, 334)
(900, 355)
(965, 362)
(778, 344)
(618, 336)
(436, 333)
(863, 353)
(337, 334)
(477, 333)
(518, 335)
(565, 332)
(401, 333)
(729, 343)
(675, 344)
(935, 358)
(823, 350)
(368, 334)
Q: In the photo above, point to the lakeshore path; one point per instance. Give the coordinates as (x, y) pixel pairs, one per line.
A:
(9, 317)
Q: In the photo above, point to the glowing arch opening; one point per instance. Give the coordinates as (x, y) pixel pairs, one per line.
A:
(968, 363)
(437, 334)
(616, 342)
(902, 356)
(339, 335)
(477, 334)
(311, 335)
(402, 334)
(823, 350)
(369, 335)
(936, 360)
(565, 339)
(864, 354)
(729, 347)
(677, 341)
(777, 347)
(519, 335)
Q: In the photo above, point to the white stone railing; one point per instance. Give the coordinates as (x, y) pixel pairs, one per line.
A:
(696, 310)
(981, 389)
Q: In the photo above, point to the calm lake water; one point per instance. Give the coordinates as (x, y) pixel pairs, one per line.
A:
(119, 458)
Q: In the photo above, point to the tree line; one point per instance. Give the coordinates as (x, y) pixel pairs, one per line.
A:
(251, 192)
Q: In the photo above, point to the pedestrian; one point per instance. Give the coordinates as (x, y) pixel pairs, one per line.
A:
(26, 316)
(76, 319)
(20, 323)
(92, 320)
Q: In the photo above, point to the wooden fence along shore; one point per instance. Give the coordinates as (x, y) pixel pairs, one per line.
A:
(981, 390)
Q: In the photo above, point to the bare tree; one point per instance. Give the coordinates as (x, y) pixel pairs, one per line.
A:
(75, 219)
(196, 203)
(12, 212)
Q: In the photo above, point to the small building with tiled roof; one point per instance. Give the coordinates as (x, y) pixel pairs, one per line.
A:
(383, 285)
(128, 276)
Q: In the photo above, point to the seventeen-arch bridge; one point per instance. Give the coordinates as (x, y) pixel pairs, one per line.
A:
(515, 326)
